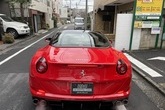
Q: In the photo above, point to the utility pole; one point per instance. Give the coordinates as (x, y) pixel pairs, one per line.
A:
(76, 5)
(86, 14)
(70, 9)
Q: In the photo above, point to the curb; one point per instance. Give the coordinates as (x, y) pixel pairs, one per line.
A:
(156, 85)
(21, 41)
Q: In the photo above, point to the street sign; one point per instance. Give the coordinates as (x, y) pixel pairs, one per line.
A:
(155, 30)
(146, 24)
(149, 7)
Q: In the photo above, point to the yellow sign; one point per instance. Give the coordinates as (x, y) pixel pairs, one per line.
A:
(138, 24)
(149, 7)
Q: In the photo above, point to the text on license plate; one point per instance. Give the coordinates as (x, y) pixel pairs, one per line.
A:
(82, 88)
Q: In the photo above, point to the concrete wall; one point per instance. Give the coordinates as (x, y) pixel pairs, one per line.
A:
(101, 3)
(49, 17)
(56, 5)
(4, 8)
(39, 6)
(126, 8)
(98, 23)
(63, 12)
(147, 40)
(44, 8)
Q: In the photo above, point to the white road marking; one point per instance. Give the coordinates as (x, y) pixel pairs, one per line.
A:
(120, 107)
(60, 27)
(41, 105)
(65, 27)
(10, 57)
(157, 58)
(142, 66)
(44, 32)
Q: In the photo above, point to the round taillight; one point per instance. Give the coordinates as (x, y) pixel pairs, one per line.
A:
(41, 65)
(121, 67)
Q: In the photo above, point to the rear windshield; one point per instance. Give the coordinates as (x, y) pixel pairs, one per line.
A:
(79, 20)
(79, 39)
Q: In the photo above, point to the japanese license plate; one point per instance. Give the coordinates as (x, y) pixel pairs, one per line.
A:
(82, 88)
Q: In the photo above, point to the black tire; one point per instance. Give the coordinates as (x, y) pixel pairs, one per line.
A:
(13, 32)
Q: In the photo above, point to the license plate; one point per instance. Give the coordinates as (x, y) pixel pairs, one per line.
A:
(82, 88)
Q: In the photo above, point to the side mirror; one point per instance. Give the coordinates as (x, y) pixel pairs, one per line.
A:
(48, 40)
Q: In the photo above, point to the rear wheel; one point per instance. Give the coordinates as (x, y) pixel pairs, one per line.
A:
(13, 32)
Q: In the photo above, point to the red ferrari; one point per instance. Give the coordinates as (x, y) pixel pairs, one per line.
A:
(79, 66)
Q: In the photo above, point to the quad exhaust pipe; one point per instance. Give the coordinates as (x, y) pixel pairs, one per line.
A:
(119, 105)
(35, 101)
(125, 102)
(40, 104)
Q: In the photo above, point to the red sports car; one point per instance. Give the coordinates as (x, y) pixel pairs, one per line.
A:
(79, 66)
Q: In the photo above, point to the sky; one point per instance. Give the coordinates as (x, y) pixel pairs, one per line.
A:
(80, 4)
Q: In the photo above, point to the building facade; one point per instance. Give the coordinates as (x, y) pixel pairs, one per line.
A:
(56, 9)
(40, 12)
(105, 18)
(63, 11)
(4, 8)
(105, 12)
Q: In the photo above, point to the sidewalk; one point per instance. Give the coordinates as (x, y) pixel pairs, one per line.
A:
(22, 39)
(17, 41)
(150, 65)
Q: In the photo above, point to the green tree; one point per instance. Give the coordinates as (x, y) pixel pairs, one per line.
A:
(21, 4)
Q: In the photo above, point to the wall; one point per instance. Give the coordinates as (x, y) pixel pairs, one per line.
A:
(63, 12)
(17, 13)
(4, 8)
(56, 5)
(126, 8)
(39, 6)
(44, 8)
(147, 39)
(123, 31)
(101, 3)
(98, 23)
(49, 17)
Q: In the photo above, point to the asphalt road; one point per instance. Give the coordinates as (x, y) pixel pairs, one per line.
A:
(153, 57)
(14, 90)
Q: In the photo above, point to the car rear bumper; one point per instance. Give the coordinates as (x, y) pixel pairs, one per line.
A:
(57, 97)
(79, 27)
(61, 90)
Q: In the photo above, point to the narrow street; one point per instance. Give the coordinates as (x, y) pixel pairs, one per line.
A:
(15, 95)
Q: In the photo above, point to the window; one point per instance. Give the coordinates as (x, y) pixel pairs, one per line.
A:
(99, 39)
(7, 19)
(75, 39)
(79, 20)
(48, 3)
